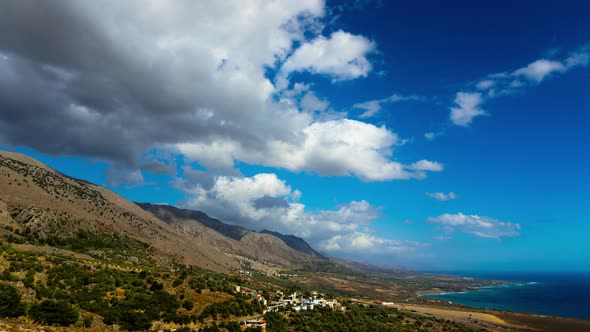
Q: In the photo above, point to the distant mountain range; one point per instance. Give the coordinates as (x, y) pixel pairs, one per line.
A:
(45, 206)
(169, 213)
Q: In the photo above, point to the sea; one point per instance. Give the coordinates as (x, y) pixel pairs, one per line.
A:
(548, 293)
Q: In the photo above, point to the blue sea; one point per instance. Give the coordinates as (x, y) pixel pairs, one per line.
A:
(555, 294)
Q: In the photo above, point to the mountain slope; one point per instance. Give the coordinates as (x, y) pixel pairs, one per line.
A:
(295, 242)
(231, 231)
(260, 246)
(50, 208)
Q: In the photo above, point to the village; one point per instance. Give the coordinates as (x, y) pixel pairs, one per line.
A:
(287, 303)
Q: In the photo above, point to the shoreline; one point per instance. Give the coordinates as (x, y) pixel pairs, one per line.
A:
(495, 284)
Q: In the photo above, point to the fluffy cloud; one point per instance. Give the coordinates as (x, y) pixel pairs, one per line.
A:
(337, 147)
(342, 56)
(265, 201)
(367, 244)
(372, 107)
(468, 107)
(479, 226)
(303, 97)
(442, 196)
(112, 80)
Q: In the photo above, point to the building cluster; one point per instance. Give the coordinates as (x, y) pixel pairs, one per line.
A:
(297, 302)
(291, 302)
(258, 322)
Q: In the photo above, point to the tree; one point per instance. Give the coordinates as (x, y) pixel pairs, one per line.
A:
(54, 312)
(188, 305)
(10, 302)
(275, 322)
(135, 321)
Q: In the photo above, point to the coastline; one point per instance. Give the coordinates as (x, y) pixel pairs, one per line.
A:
(493, 284)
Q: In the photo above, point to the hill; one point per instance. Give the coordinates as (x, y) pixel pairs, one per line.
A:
(42, 206)
(261, 247)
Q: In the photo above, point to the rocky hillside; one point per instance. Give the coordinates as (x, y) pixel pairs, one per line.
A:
(41, 206)
(296, 243)
(169, 213)
(235, 239)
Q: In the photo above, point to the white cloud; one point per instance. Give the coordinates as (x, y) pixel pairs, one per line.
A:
(311, 103)
(468, 108)
(305, 99)
(508, 83)
(427, 165)
(343, 56)
(265, 201)
(337, 147)
(534, 73)
(442, 238)
(577, 59)
(442, 196)
(372, 107)
(537, 71)
(479, 226)
(357, 242)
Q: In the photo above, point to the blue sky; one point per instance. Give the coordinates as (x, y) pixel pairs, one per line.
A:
(429, 135)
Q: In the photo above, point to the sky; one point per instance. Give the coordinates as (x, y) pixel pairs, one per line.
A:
(430, 135)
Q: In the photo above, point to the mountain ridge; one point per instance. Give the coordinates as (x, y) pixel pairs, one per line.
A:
(232, 231)
(295, 242)
(258, 245)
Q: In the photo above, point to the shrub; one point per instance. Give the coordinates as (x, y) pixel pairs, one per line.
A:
(52, 312)
(188, 305)
(135, 321)
(10, 302)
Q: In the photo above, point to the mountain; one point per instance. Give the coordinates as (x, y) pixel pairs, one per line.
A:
(41, 206)
(296, 243)
(264, 246)
(48, 207)
(165, 212)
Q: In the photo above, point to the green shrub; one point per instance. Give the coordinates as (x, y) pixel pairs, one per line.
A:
(87, 321)
(135, 321)
(52, 312)
(10, 302)
(188, 305)
(177, 282)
